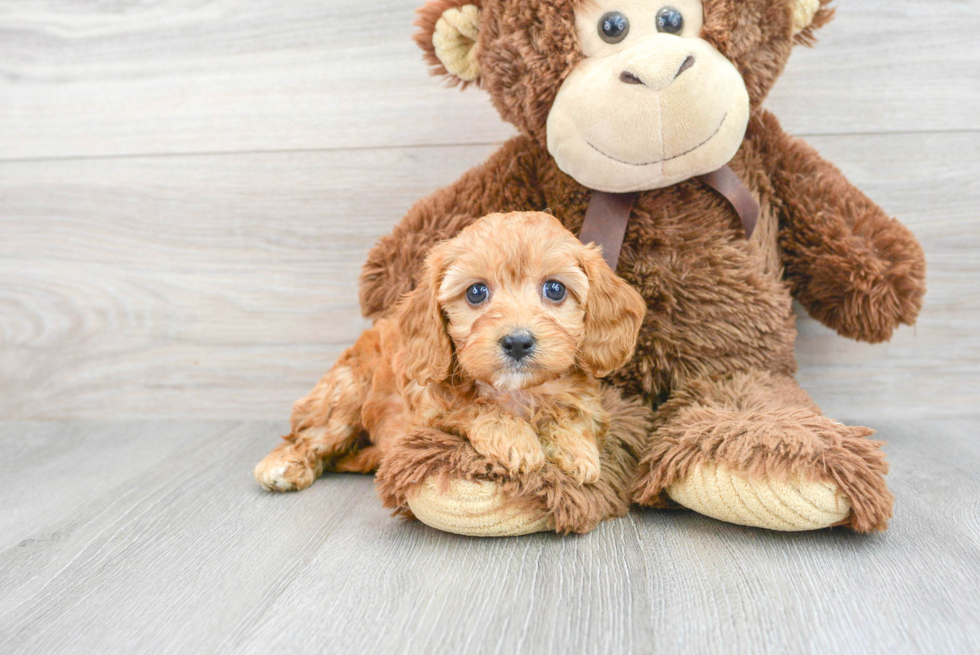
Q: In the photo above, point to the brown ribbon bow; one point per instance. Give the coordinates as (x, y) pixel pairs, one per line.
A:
(608, 213)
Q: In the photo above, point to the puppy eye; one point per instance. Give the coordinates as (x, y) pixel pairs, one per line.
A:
(669, 20)
(554, 290)
(477, 293)
(613, 27)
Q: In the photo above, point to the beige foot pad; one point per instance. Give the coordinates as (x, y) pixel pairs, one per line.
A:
(472, 508)
(792, 506)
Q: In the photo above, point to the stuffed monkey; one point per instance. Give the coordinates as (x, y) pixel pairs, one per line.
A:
(627, 99)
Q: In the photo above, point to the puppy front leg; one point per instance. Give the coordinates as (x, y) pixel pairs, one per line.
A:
(506, 440)
(575, 453)
(573, 444)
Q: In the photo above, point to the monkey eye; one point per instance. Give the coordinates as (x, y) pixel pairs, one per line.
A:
(613, 27)
(477, 293)
(554, 290)
(669, 20)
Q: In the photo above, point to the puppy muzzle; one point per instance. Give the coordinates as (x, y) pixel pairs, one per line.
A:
(518, 346)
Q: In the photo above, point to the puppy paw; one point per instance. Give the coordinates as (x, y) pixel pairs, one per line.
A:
(524, 458)
(574, 452)
(582, 464)
(510, 443)
(284, 470)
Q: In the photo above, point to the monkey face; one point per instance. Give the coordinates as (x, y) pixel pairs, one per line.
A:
(627, 95)
(651, 103)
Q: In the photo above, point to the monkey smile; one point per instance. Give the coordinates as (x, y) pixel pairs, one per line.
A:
(660, 161)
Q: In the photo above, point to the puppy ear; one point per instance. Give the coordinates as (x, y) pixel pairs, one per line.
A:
(449, 36)
(614, 312)
(427, 352)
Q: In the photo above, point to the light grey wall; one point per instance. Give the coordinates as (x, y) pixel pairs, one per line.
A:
(187, 191)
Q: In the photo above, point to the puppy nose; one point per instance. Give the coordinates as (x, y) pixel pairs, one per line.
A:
(517, 345)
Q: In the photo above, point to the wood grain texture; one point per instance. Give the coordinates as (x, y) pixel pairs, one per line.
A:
(187, 76)
(223, 287)
(205, 286)
(182, 552)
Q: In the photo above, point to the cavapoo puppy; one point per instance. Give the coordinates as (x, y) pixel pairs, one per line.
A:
(501, 343)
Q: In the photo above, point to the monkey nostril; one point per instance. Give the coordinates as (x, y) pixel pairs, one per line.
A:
(629, 78)
(517, 345)
(687, 64)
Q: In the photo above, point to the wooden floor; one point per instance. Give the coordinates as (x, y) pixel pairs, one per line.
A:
(187, 190)
(133, 537)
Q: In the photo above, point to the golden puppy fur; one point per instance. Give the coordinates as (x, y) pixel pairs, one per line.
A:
(441, 359)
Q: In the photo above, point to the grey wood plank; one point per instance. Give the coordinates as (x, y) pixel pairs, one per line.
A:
(222, 287)
(172, 543)
(176, 77)
(194, 557)
(86, 79)
(909, 590)
(159, 278)
(49, 469)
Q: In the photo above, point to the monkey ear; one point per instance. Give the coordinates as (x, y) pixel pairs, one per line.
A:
(808, 15)
(449, 36)
(614, 312)
(426, 351)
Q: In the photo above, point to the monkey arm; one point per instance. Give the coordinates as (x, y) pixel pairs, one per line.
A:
(853, 267)
(505, 182)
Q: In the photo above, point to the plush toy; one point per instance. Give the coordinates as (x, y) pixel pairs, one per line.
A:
(645, 123)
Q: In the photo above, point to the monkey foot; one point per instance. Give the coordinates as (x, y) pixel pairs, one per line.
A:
(781, 466)
(792, 505)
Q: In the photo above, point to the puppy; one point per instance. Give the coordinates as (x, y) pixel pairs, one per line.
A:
(501, 342)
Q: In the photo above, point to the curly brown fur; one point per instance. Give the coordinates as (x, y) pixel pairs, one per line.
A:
(571, 507)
